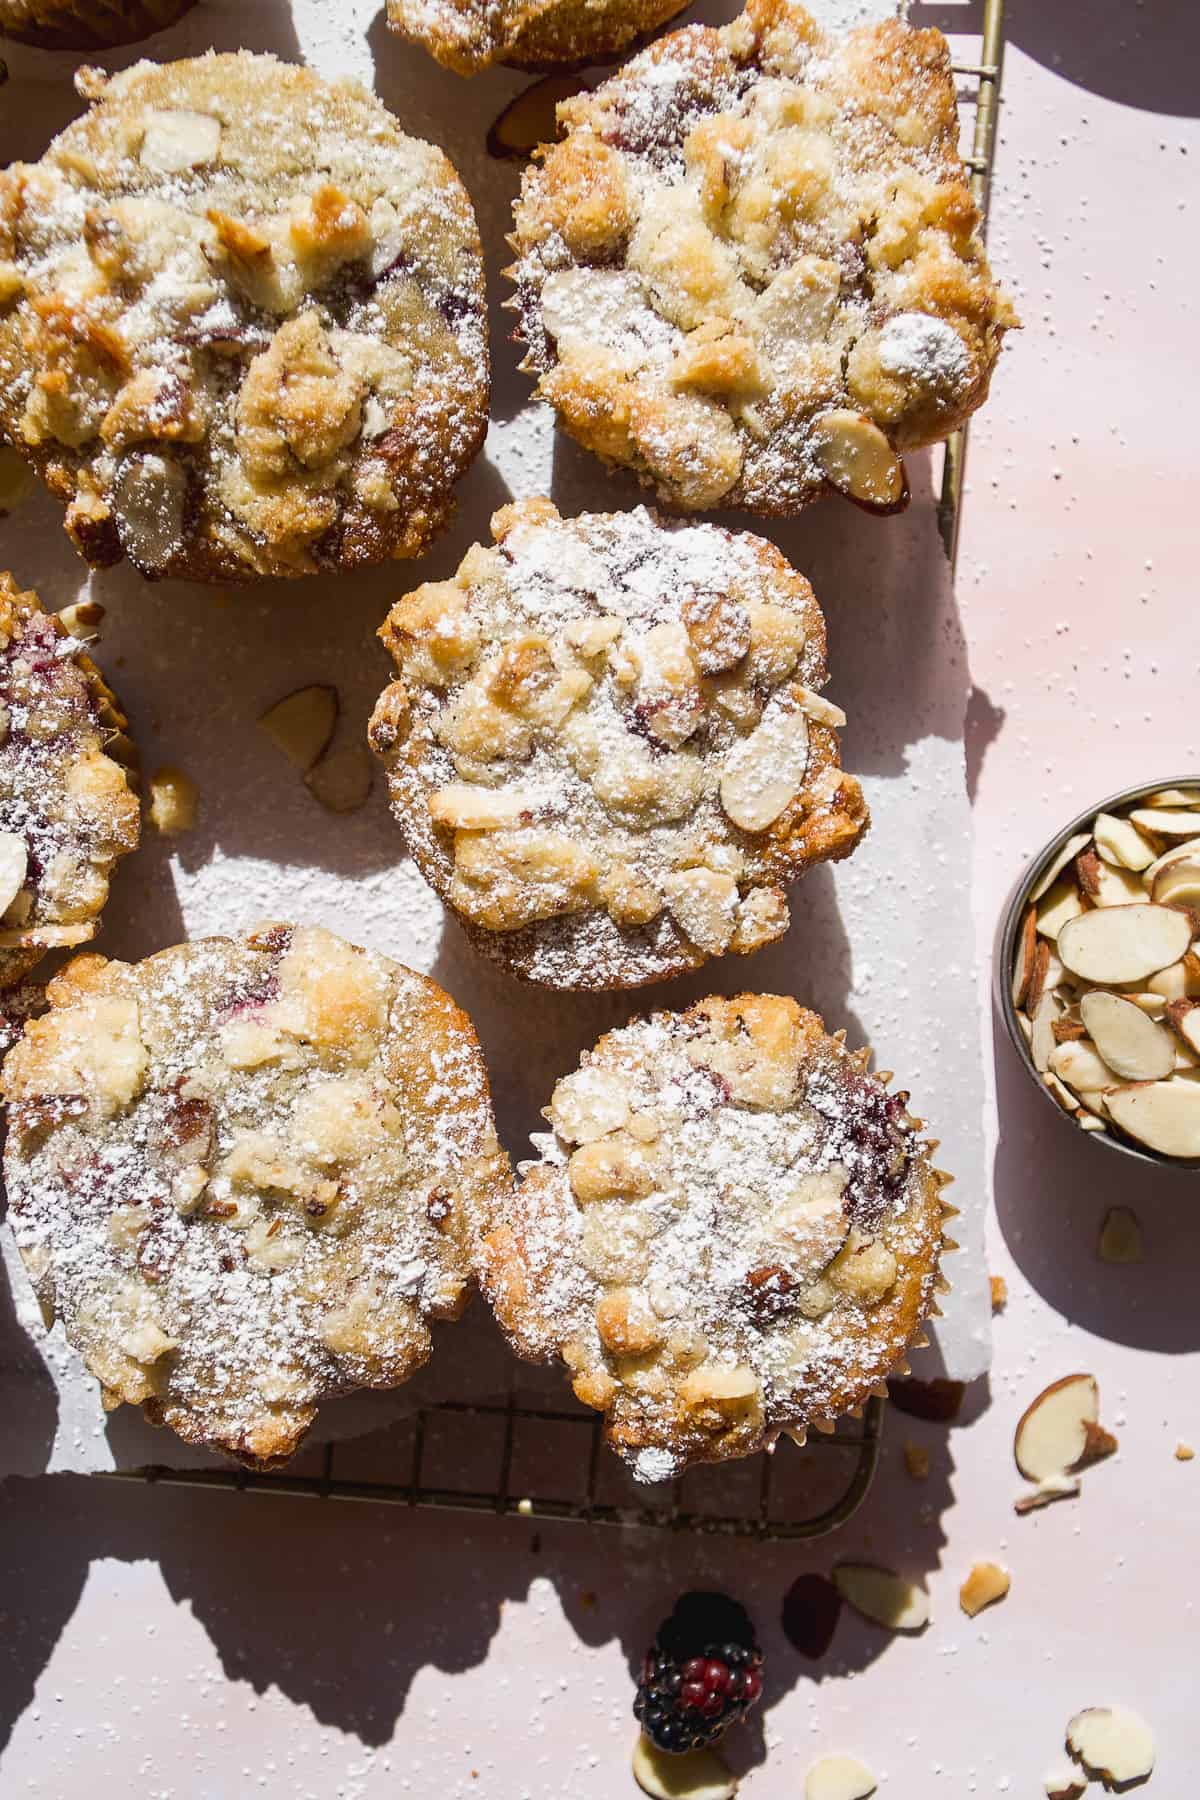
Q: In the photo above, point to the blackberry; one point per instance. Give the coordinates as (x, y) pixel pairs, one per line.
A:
(702, 1673)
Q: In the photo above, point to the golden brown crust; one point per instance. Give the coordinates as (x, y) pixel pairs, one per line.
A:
(247, 1173)
(242, 324)
(734, 1230)
(87, 24)
(606, 748)
(751, 269)
(68, 776)
(470, 35)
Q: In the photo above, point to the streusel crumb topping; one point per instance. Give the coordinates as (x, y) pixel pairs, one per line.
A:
(606, 746)
(469, 35)
(247, 1173)
(242, 323)
(733, 1229)
(751, 270)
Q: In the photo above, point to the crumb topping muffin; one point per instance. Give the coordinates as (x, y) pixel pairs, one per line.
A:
(242, 323)
(606, 747)
(733, 1229)
(469, 35)
(751, 270)
(68, 808)
(246, 1173)
(87, 24)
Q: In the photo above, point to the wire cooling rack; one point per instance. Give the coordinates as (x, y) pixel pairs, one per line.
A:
(458, 1456)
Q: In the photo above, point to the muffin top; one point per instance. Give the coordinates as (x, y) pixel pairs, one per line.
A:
(606, 746)
(469, 35)
(246, 1173)
(86, 24)
(751, 269)
(241, 323)
(68, 809)
(734, 1229)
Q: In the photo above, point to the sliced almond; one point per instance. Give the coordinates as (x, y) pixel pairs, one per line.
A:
(82, 620)
(461, 807)
(1163, 1115)
(1190, 845)
(1060, 904)
(883, 1597)
(177, 140)
(1038, 976)
(530, 119)
(1179, 982)
(1121, 843)
(1104, 885)
(839, 1778)
(1176, 880)
(1054, 868)
(1183, 1016)
(1129, 1041)
(1120, 1236)
(1060, 1091)
(14, 863)
(1055, 1487)
(1165, 822)
(1172, 797)
(704, 902)
(1123, 943)
(1113, 1743)
(764, 772)
(342, 779)
(1027, 942)
(690, 1775)
(985, 1584)
(1059, 1433)
(1079, 1064)
(855, 457)
(1068, 1030)
(1041, 1037)
(302, 723)
(1062, 1782)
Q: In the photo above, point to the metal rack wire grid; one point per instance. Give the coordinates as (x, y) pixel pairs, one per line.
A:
(767, 1501)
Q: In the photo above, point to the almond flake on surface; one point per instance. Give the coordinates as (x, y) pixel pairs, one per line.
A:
(174, 801)
(1184, 1452)
(1128, 1039)
(342, 779)
(177, 140)
(856, 458)
(1121, 843)
(764, 772)
(1163, 1115)
(1123, 943)
(1064, 1782)
(1061, 904)
(1120, 1236)
(1055, 1487)
(839, 1778)
(1055, 867)
(986, 1583)
(1112, 1743)
(82, 620)
(1059, 1433)
(882, 1596)
(302, 723)
(691, 1775)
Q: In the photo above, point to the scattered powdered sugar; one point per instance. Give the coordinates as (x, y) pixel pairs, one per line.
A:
(923, 349)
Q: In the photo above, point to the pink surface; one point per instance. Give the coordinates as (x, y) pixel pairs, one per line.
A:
(157, 1643)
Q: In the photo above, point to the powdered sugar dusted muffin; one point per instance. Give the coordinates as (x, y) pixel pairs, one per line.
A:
(246, 1173)
(87, 24)
(242, 323)
(68, 808)
(469, 35)
(606, 748)
(733, 1230)
(751, 271)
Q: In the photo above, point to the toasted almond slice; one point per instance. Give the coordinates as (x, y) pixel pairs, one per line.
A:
(1059, 1433)
(855, 457)
(459, 806)
(529, 119)
(1078, 1063)
(1121, 843)
(176, 140)
(690, 1775)
(1106, 886)
(1112, 1743)
(1177, 881)
(1164, 822)
(1060, 1091)
(986, 1583)
(1120, 1236)
(1183, 1016)
(1179, 982)
(1050, 874)
(1038, 976)
(1153, 1005)
(1041, 1038)
(1062, 1782)
(1172, 797)
(342, 779)
(1160, 862)
(1124, 943)
(82, 620)
(704, 902)
(1068, 1030)
(1129, 1041)
(839, 1778)
(764, 772)
(1088, 1121)
(1060, 904)
(820, 710)
(1055, 1487)
(1027, 941)
(882, 1596)
(1163, 1115)
(14, 863)
(46, 937)
(302, 723)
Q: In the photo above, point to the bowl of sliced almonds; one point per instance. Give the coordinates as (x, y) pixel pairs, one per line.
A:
(1098, 976)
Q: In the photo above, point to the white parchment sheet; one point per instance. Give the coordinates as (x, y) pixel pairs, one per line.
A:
(882, 945)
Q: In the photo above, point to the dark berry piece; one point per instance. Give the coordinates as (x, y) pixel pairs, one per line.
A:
(700, 1675)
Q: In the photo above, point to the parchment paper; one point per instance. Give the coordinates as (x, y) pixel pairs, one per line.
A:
(882, 945)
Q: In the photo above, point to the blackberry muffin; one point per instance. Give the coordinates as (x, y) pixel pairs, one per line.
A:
(469, 35)
(606, 747)
(246, 1173)
(241, 323)
(68, 805)
(733, 1230)
(87, 24)
(751, 270)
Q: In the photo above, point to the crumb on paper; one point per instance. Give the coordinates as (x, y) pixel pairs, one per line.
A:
(1184, 1452)
(916, 1461)
(174, 801)
(999, 1291)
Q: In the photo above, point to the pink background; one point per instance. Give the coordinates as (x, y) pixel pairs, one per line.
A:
(168, 1643)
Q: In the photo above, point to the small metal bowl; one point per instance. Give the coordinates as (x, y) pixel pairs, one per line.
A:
(1013, 914)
